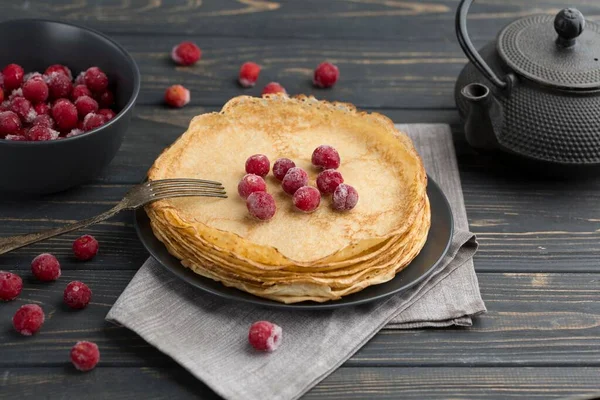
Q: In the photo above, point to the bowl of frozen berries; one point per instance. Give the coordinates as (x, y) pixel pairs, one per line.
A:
(66, 99)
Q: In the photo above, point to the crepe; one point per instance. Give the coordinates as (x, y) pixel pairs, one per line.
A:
(294, 256)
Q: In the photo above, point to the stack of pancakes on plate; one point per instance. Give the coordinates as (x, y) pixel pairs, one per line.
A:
(294, 256)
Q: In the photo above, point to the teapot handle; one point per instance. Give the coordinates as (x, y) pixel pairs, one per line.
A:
(471, 52)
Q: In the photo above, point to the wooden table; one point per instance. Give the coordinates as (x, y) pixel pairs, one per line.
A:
(539, 261)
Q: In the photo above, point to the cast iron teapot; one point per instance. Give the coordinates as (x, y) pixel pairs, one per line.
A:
(535, 91)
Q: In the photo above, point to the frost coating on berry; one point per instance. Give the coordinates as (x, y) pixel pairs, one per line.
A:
(281, 167)
(85, 105)
(28, 319)
(344, 198)
(13, 77)
(46, 267)
(326, 157)
(107, 113)
(273, 87)
(23, 108)
(65, 114)
(35, 90)
(249, 72)
(293, 180)
(249, 184)
(43, 119)
(16, 138)
(42, 108)
(80, 90)
(105, 99)
(177, 96)
(85, 356)
(40, 133)
(77, 295)
(95, 79)
(85, 247)
(10, 286)
(258, 164)
(80, 79)
(60, 69)
(93, 121)
(265, 336)
(10, 123)
(74, 132)
(329, 180)
(307, 199)
(59, 84)
(326, 75)
(186, 53)
(261, 205)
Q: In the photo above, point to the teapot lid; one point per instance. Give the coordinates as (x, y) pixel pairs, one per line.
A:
(571, 60)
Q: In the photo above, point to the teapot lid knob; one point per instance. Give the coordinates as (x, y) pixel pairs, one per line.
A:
(569, 24)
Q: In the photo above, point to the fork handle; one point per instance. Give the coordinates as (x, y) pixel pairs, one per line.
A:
(15, 242)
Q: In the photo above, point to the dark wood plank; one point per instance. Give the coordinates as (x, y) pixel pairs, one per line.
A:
(533, 320)
(344, 383)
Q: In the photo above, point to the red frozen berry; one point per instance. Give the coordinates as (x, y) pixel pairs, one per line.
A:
(39, 133)
(293, 180)
(85, 355)
(265, 336)
(23, 108)
(59, 84)
(281, 167)
(80, 90)
(28, 319)
(10, 285)
(60, 69)
(105, 99)
(251, 183)
(326, 157)
(344, 198)
(249, 74)
(46, 267)
(261, 205)
(74, 132)
(95, 80)
(93, 121)
(272, 88)
(80, 79)
(85, 105)
(16, 138)
(258, 164)
(10, 123)
(326, 75)
(44, 119)
(1, 92)
(42, 108)
(177, 96)
(307, 199)
(107, 113)
(13, 77)
(35, 90)
(65, 114)
(77, 295)
(329, 180)
(186, 53)
(85, 247)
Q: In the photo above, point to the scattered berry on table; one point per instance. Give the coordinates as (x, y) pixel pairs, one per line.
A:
(258, 164)
(186, 53)
(60, 69)
(59, 85)
(329, 180)
(42, 108)
(65, 114)
(40, 133)
(10, 123)
(249, 74)
(261, 205)
(85, 247)
(10, 285)
(293, 180)
(326, 75)
(23, 108)
(281, 167)
(107, 113)
(77, 295)
(95, 80)
(326, 157)
(45, 267)
(85, 105)
(249, 184)
(35, 90)
(28, 319)
(344, 198)
(307, 199)
(105, 99)
(93, 121)
(177, 96)
(273, 87)
(13, 77)
(265, 336)
(85, 355)
(80, 90)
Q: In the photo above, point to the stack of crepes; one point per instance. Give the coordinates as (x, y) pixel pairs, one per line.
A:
(295, 256)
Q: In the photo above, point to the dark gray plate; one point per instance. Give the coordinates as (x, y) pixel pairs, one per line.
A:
(435, 248)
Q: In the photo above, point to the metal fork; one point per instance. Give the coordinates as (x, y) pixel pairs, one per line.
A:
(138, 196)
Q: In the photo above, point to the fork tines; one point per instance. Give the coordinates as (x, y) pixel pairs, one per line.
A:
(187, 187)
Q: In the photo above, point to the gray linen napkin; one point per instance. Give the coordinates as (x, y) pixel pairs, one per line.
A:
(208, 335)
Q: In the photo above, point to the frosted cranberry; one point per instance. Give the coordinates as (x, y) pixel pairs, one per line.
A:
(42, 108)
(273, 87)
(10, 286)
(65, 114)
(80, 79)
(307, 199)
(293, 180)
(74, 132)
(10, 123)
(60, 69)
(16, 138)
(77, 295)
(95, 80)
(249, 184)
(326, 157)
(85, 356)
(265, 336)
(85, 247)
(281, 167)
(23, 108)
(329, 180)
(186, 53)
(105, 99)
(1, 93)
(60, 85)
(85, 105)
(258, 164)
(93, 121)
(35, 90)
(46, 267)
(344, 198)
(28, 319)
(107, 113)
(249, 74)
(13, 77)
(261, 205)
(45, 120)
(177, 96)
(80, 90)
(39, 133)
(326, 75)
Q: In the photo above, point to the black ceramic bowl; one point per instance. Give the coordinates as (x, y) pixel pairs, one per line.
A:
(28, 168)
